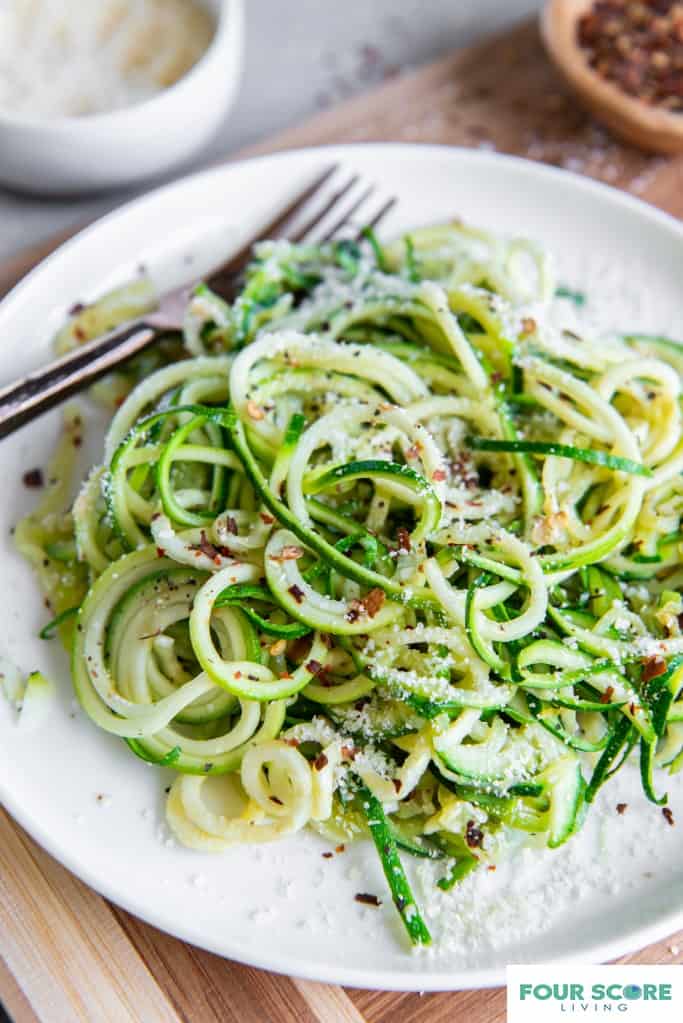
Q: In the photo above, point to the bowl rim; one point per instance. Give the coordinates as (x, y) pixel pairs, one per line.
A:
(228, 27)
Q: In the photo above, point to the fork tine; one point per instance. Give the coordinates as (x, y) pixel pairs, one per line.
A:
(227, 271)
(306, 229)
(345, 217)
(378, 217)
(22, 402)
(275, 227)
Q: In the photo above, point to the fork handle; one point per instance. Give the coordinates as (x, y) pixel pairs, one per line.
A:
(40, 391)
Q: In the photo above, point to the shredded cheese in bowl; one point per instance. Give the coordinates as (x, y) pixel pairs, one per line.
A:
(69, 58)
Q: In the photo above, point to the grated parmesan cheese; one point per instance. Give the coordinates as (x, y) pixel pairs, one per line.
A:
(69, 58)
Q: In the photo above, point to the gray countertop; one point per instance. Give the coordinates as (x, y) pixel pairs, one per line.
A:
(300, 57)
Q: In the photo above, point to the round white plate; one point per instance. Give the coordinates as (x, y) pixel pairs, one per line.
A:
(283, 907)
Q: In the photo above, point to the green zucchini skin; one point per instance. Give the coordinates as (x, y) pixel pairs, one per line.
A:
(531, 447)
(400, 558)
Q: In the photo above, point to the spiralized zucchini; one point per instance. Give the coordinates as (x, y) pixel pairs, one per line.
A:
(389, 550)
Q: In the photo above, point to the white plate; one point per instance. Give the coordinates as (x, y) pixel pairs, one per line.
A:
(283, 907)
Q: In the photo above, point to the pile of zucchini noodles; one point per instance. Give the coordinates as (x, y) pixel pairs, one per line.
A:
(390, 551)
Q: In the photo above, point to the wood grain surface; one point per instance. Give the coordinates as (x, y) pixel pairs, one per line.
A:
(66, 953)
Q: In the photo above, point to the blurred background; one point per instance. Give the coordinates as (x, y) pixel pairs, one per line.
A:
(317, 53)
(323, 51)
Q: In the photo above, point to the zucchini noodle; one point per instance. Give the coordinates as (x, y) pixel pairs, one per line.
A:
(386, 553)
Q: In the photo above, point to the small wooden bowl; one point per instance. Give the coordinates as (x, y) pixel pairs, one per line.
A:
(648, 127)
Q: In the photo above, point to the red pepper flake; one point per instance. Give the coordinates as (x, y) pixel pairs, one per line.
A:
(474, 836)
(491, 866)
(231, 525)
(327, 640)
(80, 334)
(366, 899)
(33, 479)
(315, 667)
(340, 848)
(161, 553)
(414, 451)
(621, 808)
(637, 47)
(653, 667)
(403, 537)
(297, 593)
(354, 611)
(607, 695)
(373, 601)
(275, 799)
(668, 816)
(320, 762)
(439, 475)
(397, 784)
(207, 548)
(288, 553)
(267, 519)
(349, 752)
(292, 742)
(254, 411)
(528, 325)
(327, 855)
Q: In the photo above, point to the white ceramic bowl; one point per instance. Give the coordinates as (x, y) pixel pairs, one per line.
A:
(69, 155)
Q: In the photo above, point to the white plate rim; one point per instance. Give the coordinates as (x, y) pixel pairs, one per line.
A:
(635, 938)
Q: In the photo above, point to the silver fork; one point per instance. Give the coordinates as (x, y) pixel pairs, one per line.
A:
(311, 216)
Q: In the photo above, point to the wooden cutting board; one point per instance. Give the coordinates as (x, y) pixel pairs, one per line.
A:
(68, 954)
